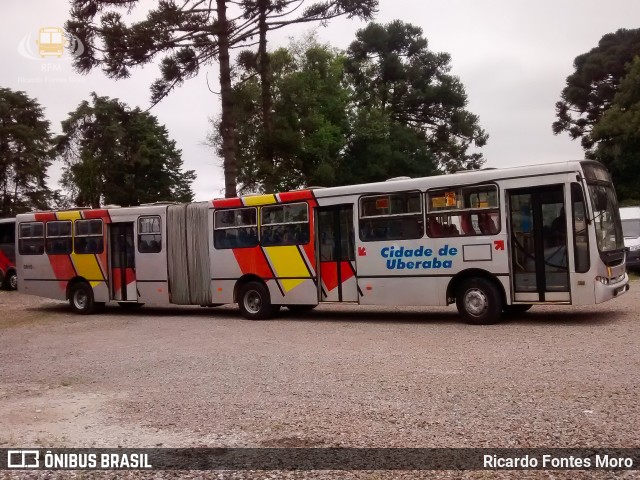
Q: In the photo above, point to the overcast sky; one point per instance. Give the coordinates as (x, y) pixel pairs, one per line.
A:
(512, 56)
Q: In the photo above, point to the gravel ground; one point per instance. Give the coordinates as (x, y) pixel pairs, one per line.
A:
(340, 376)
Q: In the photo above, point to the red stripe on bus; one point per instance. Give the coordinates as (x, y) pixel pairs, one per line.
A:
(227, 203)
(329, 273)
(92, 214)
(129, 274)
(296, 196)
(252, 260)
(62, 268)
(45, 216)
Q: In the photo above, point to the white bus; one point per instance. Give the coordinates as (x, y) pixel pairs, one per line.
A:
(490, 241)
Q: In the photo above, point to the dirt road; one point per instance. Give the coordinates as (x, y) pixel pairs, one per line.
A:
(339, 376)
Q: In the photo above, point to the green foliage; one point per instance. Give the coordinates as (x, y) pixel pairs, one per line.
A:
(591, 88)
(310, 123)
(189, 35)
(115, 155)
(392, 71)
(617, 136)
(24, 154)
(388, 107)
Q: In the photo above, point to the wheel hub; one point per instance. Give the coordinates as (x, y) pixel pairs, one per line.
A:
(80, 299)
(252, 301)
(475, 302)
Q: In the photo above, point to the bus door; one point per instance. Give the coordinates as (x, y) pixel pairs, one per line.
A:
(538, 241)
(123, 262)
(336, 259)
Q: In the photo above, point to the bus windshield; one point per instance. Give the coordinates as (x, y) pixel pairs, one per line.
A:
(606, 214)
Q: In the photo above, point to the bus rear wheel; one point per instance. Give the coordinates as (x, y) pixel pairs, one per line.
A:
(255, 302)
(81, 299)
(479, 301)
(10, 281)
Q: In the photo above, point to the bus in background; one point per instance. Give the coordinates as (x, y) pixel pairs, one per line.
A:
(8, 276)
(491, 241)
(631, 229)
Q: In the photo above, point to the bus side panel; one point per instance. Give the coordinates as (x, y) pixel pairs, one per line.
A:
(225, 272)
(288, 271)
(37, 277)
(418, 272)
(304, 292)
(397, 290)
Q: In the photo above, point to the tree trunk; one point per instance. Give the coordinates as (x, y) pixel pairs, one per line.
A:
(227, 123)
(265, 84)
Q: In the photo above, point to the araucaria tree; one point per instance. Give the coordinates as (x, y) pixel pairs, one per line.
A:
(115, 155)
(594, 109)
(411, 116)
(387, 107)
(190, 34)
(24, 154)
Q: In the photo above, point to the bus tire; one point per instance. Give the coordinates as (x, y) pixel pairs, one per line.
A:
(516, 309)
(81, 299)
(255, 302)
(10, 281)
(479, 301)
(301, 308)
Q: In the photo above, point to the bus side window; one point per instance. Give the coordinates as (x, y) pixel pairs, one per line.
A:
(31, 238)
(149, 234)
(395, 216)
(463, 211)
(580, 232)
(88, 237)
(235, 228)
(286, 224)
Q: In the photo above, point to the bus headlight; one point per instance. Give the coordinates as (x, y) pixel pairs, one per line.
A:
(603, 280)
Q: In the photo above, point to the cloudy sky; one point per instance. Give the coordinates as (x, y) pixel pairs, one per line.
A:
(512, 56)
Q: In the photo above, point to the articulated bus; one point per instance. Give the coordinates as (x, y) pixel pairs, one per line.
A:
(490, 241)
(8, 277)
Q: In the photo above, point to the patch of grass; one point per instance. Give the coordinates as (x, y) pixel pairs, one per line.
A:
(633, 274)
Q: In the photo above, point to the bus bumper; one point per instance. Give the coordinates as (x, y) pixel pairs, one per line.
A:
(613, 290)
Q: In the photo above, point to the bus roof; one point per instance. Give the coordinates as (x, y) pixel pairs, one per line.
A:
(461, 178)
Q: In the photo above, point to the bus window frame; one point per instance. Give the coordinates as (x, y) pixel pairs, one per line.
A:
(69, 251)
(306, 222)
(471, 210)
(392, 215)
(159, 234)
(20, 237)
(583, 198)
(89, 235)
(256, 225)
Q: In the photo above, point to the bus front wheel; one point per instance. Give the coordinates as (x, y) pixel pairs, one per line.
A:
(255, 301)
(479, 301)
(81, 299)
